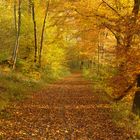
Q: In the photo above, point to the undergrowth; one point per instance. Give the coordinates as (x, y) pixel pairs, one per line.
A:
(15, 85)
(122, 110)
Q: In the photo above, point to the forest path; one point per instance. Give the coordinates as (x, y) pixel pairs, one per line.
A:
(65, 110)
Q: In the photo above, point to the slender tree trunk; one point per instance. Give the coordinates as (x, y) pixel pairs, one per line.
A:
(98, 53)
(15, 16)
(17, 34)
(42, 34)
(35, 31)
(15, 24)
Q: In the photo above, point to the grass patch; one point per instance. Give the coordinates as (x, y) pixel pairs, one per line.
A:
(123, 117)
(15, 86)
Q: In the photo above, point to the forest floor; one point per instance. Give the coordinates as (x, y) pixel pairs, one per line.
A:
(65, 110)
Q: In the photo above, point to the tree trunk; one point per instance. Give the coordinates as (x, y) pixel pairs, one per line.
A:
(128, 43)
(131, 25)
(42, 34)
(15, 16)
(130, 34)
(136, 102)
(35, 31)
(15, 24)
(17, 27)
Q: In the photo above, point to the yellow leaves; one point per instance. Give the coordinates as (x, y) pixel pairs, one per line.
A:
(35, 75)
(53, 55)
(83, 53)
(21, 132)
(6, 70)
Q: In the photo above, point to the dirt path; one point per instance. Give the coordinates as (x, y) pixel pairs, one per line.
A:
(66, 110)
